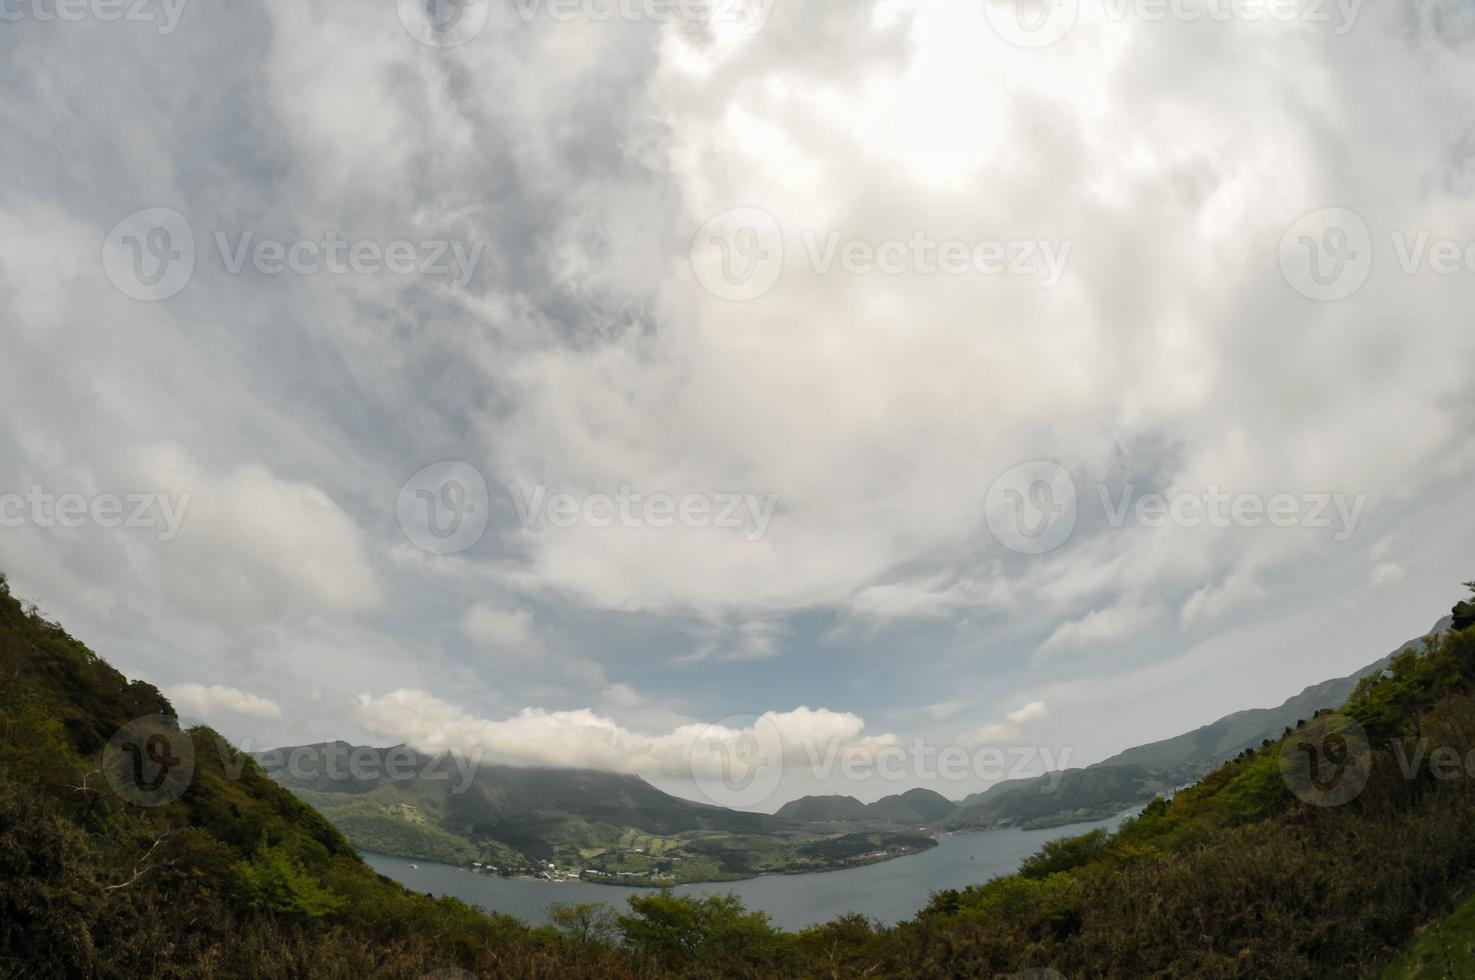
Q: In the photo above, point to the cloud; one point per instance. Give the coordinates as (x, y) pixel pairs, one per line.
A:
(1212, 602)
(585, 356)
(1100, 627)
(945, 710)
(1012, 729)
(254, 547)
(210, 702)
(1034, 711)
(504, 629)
(584, 739)
(1388, 574)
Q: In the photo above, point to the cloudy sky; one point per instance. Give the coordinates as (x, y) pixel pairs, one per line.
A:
(617, 371)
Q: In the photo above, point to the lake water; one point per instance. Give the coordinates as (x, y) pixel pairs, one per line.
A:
(890, 891)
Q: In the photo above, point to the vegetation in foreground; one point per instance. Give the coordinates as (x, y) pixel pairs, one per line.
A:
(1235, 877)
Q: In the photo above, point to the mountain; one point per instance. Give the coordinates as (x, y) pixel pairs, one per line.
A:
(914, 807)
(1136, 775)
(1200, 750)
(1074, 796)
(599, 825)
(920, 806)
(132, 848)
(996, 789)
(824, 809)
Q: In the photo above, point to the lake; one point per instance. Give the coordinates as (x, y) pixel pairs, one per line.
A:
(890, 891)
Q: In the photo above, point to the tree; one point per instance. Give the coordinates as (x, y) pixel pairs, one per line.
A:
(1464, 612)
(680, 931)
(585, 922)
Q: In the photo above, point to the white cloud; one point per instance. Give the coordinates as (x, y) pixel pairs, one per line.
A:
(1388, 574)
(254, 547)
(585, 357)
(1101, 627)
(584, 739)
(504, 629)
(1034, 711)
(1014, 728)
(945, 710)
(210, 702)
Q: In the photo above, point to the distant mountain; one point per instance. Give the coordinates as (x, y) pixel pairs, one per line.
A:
(567, 823)
(995, 790)
(1137, 774)
(1199, 751)
(1074, 796)
(824, 809)
(526, 809)
(913, 806)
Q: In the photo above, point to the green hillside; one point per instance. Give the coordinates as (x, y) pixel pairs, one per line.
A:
(1342, 849)
(604, 827)
(824, 809)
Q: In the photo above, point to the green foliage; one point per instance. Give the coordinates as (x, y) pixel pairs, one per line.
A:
(1232, 877)
(275, 881)
(1464, 612)
(1065, 854)
(585, 922)
(685, 930)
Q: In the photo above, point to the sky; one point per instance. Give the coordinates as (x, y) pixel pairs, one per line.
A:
(638, 385)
